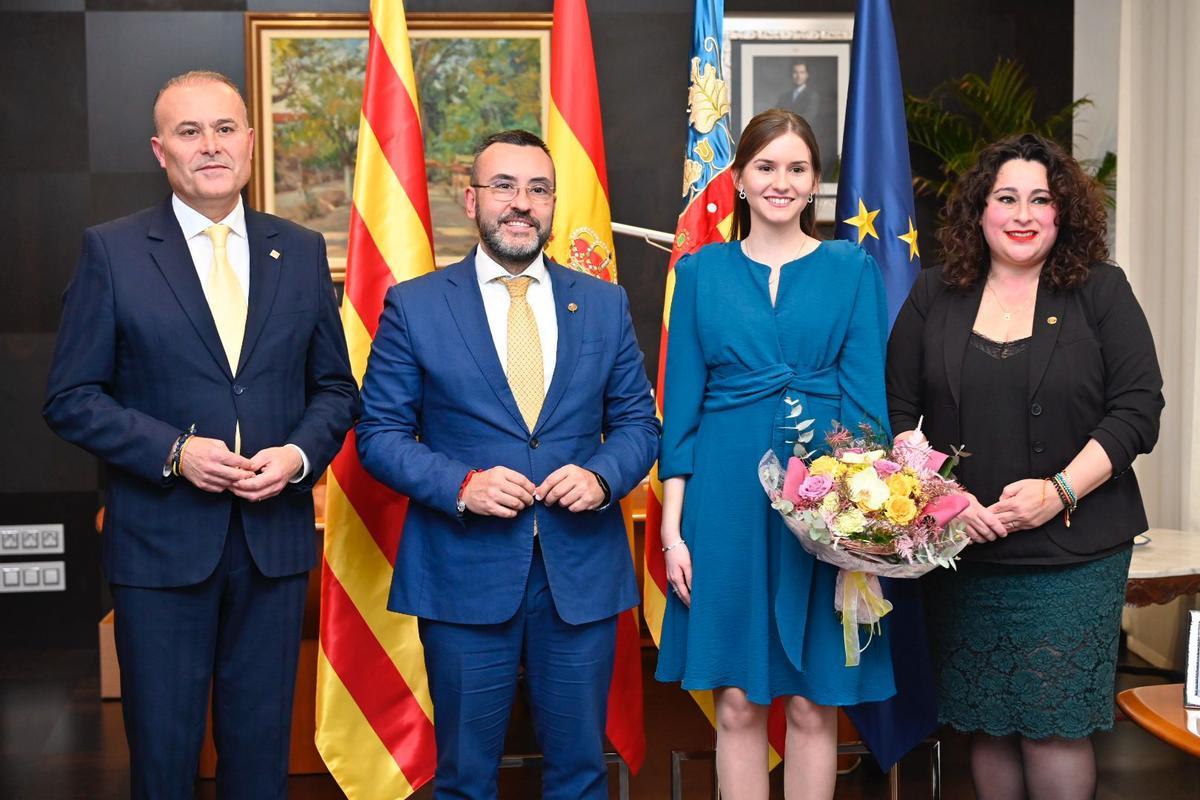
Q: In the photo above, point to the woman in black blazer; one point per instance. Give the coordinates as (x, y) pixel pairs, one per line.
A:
(1030, 349)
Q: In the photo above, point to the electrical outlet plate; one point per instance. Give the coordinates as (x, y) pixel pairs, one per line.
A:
(33, 576)
(31, 540)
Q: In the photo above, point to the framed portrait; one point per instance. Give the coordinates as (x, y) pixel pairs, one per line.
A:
(305, 75)
(800, 62)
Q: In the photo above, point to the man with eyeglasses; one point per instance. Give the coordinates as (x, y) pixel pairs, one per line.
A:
(506, 397)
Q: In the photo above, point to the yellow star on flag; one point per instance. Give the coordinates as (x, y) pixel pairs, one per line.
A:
(910, 239)
(865, 221)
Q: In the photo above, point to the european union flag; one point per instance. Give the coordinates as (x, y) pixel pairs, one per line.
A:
(875, 200)
(875, 209)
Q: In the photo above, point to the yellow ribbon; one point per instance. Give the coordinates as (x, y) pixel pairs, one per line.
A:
(856, 589)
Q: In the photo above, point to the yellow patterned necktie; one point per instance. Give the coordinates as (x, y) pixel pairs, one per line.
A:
(225, 296)
(526, 370)
(227, 301)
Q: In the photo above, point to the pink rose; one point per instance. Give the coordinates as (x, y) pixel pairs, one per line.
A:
(884, 468)
(815, 487)
(796, 473)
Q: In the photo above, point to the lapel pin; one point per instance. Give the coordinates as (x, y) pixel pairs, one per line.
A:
(1052, 320)
(274, 254)
(572, 307)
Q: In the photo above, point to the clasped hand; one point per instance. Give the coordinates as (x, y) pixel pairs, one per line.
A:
(504, 492)
(1026, 504)
(210, 465)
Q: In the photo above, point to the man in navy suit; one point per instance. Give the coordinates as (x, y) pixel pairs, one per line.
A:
(202, 359)
(505, 395)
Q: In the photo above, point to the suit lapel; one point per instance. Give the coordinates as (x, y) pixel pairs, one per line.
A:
(570, 334)
(960, 319)
(264, 278)
(466, 307)
(1048, 306)
(170, 252)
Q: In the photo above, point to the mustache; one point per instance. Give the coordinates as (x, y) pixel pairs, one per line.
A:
(517, 216)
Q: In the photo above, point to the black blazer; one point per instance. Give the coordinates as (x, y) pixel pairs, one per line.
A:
(1093, 375)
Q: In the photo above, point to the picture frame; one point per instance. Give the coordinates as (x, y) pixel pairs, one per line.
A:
(475, 72)
(796, 61)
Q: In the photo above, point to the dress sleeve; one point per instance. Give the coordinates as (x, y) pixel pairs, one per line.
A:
(860, 361)
(905, 356)
(1133, 399)
(685, 377)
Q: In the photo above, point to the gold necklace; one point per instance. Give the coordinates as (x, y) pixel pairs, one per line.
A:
(800, 252)
(1008, 315)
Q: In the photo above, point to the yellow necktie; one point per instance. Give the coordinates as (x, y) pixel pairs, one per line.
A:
(227, 302)
(225, 296)
(526, 373)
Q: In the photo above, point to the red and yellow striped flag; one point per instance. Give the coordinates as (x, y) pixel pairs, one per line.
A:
(582, 239)
(374, 713)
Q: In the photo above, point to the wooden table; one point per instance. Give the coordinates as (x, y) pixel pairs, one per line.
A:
(1166, 568)
(1159, 709)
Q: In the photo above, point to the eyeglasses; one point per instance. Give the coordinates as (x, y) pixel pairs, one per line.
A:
(506, 191)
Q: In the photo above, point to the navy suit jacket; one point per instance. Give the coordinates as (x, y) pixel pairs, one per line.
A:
(138, 360)
(436, 404)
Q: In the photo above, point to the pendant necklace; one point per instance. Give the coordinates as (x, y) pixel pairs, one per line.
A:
(1004, 312)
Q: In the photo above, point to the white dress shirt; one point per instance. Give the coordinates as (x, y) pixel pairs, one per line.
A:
(496, 301)
(237, 248)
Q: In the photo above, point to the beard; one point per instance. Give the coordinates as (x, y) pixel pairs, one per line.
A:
(491, 232)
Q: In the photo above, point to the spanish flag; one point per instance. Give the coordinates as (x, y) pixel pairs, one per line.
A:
(374, 713)
(582, 239)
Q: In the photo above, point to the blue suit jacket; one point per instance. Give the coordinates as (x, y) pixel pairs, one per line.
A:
(138, 360)
(436, 404)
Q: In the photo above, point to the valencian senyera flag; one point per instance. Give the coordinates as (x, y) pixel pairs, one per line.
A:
(875, 209)
(706, 217)
(582, 239)
(374, 713)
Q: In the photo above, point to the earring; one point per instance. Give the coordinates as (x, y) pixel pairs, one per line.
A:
(741, 194)
(811, 197)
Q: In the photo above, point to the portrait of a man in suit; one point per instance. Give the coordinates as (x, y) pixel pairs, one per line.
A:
(801, 98)
(202, 360)
(506, 396)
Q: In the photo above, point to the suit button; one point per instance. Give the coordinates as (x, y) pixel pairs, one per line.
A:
(1036, 409)
(534, 443)
(238, 388)
(1038, 447)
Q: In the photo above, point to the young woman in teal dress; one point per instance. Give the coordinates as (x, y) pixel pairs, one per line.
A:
(773, 337)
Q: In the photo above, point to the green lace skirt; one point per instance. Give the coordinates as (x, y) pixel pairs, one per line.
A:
(1030, 650)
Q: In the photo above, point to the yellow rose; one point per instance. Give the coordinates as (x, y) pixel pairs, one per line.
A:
(825, 465)
(900, 509)
(902, 485)
(851, 521)
(831, 503)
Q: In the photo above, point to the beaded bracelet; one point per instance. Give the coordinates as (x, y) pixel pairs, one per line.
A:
(1067, 494)
(177, 450)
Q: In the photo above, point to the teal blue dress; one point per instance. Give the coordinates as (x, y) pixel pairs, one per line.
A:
(762, 616)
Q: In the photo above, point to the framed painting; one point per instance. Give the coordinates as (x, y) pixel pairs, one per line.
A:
(475, 73)
(799, 62)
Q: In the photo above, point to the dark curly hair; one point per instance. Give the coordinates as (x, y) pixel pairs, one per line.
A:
(1082, 222)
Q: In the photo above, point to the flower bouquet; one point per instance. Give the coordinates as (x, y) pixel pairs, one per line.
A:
(870, 509)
